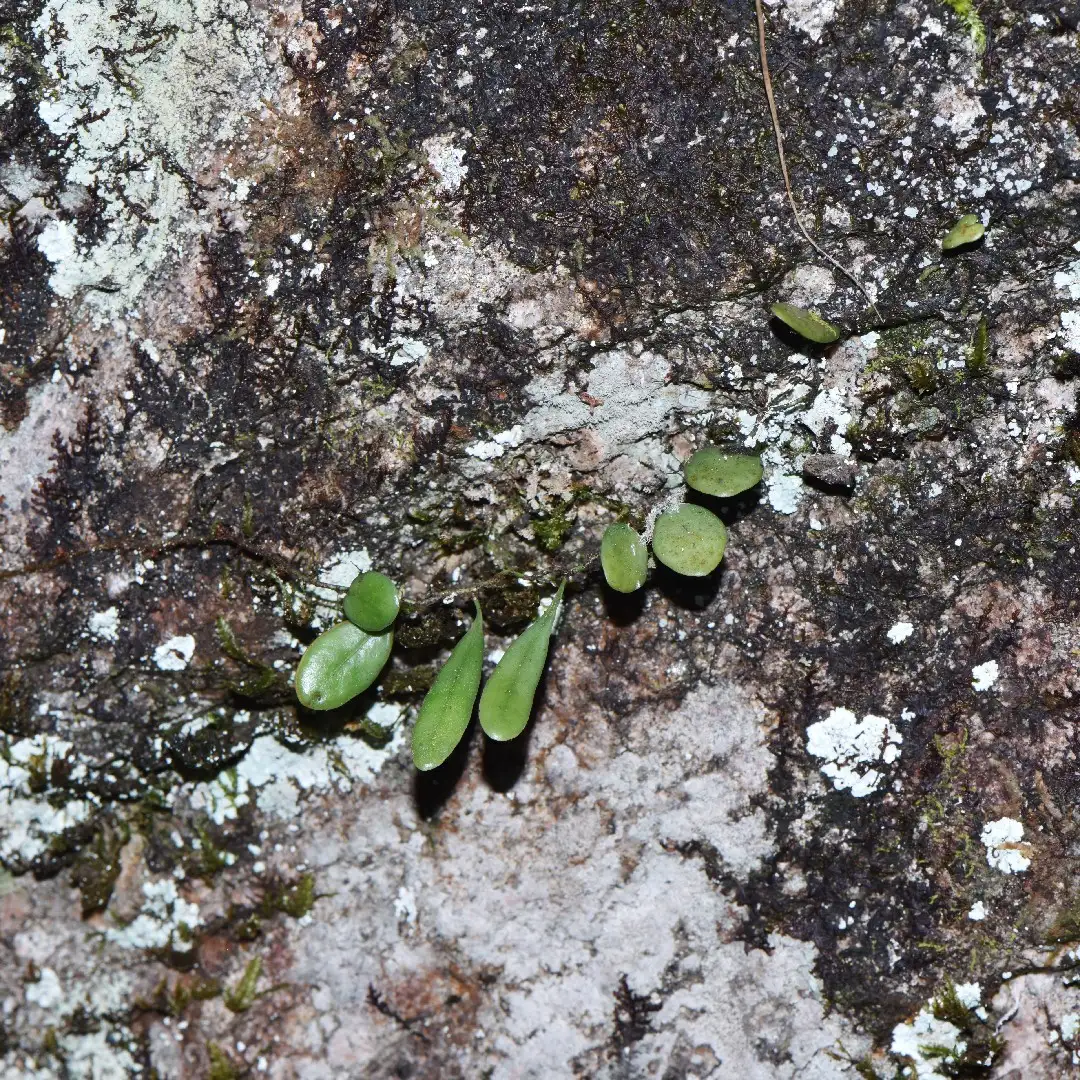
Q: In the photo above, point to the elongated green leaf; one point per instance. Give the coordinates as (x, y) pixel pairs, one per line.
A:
(371, 602)
(507, 699)
(624, 558)
(446, 710)
(689, 540)
(808, 324)
(339, 664)
(716, 473)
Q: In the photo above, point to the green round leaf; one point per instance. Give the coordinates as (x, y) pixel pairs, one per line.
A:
(966, 231)
(806, 323)
(339, 664)
(624, 558)
(371, 602)
(507, 699)
(715, 473)
(444, 715)
(690, 540)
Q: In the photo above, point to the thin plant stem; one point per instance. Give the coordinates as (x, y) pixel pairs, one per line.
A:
(767, 78)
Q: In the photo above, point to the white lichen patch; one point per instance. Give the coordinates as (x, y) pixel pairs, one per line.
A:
(785, 492)
(124, 92)
(983, 676)
(339, 571)
(637, 404)
(899, 632)
(175, 654)
(977, 911)
(496, 447)
(928, 1043)
(28, 450)
(277, 778)
(104, 625)
(588, 907)
(30, 823)
(447, 161)
(810, 16)
(1005, 850)
(166, 920)
(850, 747)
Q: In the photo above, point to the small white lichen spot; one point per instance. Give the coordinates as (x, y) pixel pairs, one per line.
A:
(46, 993)
(498, 446)
(165, 920)
(977, 912)
(104, 625)
(1005, 850)
(983, 676)
(785, 492)
(405, 906)
(810, 16)
(899, 632)
(1069, 1025)
(341, 569)
(969, 994)
(447, 161)
(928, 1043)
(175, 654)
(848, 744)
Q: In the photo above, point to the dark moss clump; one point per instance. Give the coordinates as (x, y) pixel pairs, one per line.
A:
(551, 530)
(295, 899)
(98, 867)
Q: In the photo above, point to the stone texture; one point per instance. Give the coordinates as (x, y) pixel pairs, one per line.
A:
(293, 290)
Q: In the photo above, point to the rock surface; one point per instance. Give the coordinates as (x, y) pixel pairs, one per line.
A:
(291, 290)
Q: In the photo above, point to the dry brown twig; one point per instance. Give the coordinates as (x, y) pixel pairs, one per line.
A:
(767, 79)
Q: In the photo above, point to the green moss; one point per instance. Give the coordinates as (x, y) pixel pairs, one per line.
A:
(978, 358)
(552, 529)
(948, 1006)
(415, 680)
(247, 518)
(296, 899)
(221, 1066)
(240, 998)
(98, 867)
(375, 735)
(922, 375)
(209, 860)
(261, 679)
(968, 15)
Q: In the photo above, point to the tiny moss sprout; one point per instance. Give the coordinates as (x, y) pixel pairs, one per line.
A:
(345, 660)
(371, 602)
(967, 230)
(623, 558)
(806, 324)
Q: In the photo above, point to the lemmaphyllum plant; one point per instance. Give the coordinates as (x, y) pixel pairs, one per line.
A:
(345, 660)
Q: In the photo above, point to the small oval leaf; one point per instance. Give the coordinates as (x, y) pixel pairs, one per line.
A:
(966, 231)
(624, 558)
(507, 700)
(690, 540)
(339, 664)
(806, 323)
(371, 602)
(447, 708)
(714, 472)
